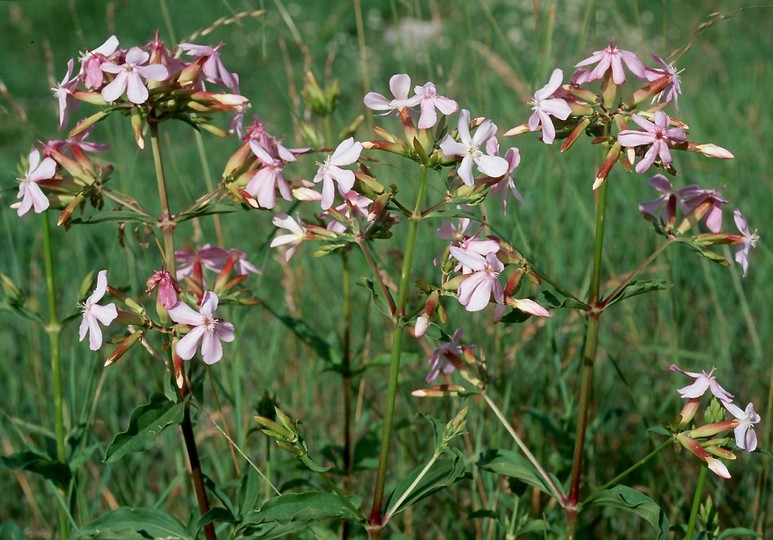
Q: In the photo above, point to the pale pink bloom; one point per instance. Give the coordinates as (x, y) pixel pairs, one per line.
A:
(400, 85)
(213, 68)
(257, 133)
(455, 233)
(609, 58)
(545, 106)
(29, 192)
(348, 152)
(703, 381)
(717, 467)
(528, 306)
(267, 179)
(438, 360)
(93, 313)
(296, 236)
(470, 149)
(428, 97)
(693, 196)
(673, 89)
(658, 134)
(92, 60)
(78, 141)
(63, 93)
(166, 285)
(129, 75)
(481, 281)
(422, 324)
(749, 241)
(506, 184)
(354, 207)
(206, 328)
(212, 258)
(745, 436)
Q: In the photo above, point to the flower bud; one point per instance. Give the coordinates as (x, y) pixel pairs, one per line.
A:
(125, 345)
(609, 162)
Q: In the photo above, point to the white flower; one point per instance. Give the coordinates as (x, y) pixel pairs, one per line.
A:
(745, 436)
(206, 328)
(93, 313)
(470, 149)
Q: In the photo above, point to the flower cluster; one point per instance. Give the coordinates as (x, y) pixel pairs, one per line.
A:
(702, 440)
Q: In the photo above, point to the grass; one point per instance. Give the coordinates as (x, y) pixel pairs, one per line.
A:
(490, 56)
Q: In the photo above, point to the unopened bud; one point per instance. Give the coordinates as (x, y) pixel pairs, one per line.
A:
(517, 130)
(609, 162)
(125, 345)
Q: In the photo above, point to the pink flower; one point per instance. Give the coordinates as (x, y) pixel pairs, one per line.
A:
(354, 207)
(78, 141)
(347, 153)
(92, 60)
(267, 179)
(470, 149)
(545, 106)
(212, 258)
(749, 241)
(703, 381)
(93, 313)
(506, 184)
(609, 58)
(657, 134)
(129, 75)
(428, 97)
(257, 133)
(438, 360)
(673, 89)
(296, 236)
(745, 436)
(481, 281)
(694, 196)
(63, 93)
(207, 329)
(400, 85)
(167, 288)
(29, 192)
(213, 68)
(455, 233)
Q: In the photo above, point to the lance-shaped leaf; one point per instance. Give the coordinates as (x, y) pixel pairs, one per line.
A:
(56, 472)
(130, 523)
(145, 425)
(626, 498)
(637, 287)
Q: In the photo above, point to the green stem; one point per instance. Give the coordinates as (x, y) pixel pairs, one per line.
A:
(554, 489)
(376, 274)
(397, 343)
(167, 228)
(662, 446)
(347, 366)
(696, 503)
(390, 512)
(630, 277)
(588, 359)
(53, 330)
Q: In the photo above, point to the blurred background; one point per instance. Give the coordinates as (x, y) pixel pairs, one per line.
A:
(490, 56)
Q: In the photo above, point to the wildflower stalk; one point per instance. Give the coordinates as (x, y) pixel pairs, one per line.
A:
(696, 503)
(646, 459)
(630, 277)
(346, 379)
(394, 368)
(554, 489)
(167, 229)
(588, 359)
(53, 330)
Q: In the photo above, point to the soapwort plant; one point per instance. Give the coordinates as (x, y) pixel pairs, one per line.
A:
(355, 209)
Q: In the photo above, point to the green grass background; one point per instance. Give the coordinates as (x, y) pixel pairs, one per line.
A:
(490, 56)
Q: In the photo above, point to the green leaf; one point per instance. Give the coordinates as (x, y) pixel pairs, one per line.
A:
(270, 530)
(442, 474)
(11, 531)
(58, 473)
(145, 424)
(512, 464)
(705, 252)
(377, 294)
(735, 532)
(217, 514)
(126, 216)
(249, 492)
(638, 287)
(627, 498)
(303, 507)
(144, 522)
(554, 299)
(207, 210)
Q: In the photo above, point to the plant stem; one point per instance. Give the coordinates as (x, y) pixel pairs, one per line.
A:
(555, 490)
(696, 503)
(167, 228)
(397, 342)
(346, 379)
(376, 274)
(53, 330)
(630, 277)
(390, 512)
(662, 446)
(588, 359)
